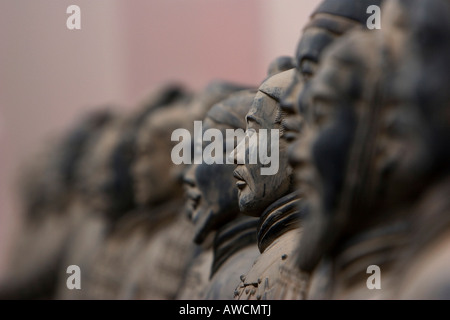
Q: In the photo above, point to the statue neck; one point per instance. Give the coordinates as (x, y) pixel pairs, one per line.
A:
(382, 246)
(431, 217)
(395, 241)
(281, 216)
(231, 238)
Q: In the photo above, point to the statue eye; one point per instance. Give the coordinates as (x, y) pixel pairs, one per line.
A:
(308, 68)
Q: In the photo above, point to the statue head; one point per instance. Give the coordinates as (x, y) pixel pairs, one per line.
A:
(49, 182)
(214, 92)
(328, 22)
(105, 178)
(210, 188)
(257, 191)
(96, 175)
(127, 152)
(337, 143)
(280, 64)
(417, 94)
(112, 188)
(155, 177)
(376, 128)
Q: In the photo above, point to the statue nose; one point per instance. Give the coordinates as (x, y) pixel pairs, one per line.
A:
(238, 155)
(232, 157)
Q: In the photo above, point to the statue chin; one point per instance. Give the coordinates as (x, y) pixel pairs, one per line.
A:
(249, 207)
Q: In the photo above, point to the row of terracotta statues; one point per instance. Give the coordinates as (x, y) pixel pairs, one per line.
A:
(358, 209)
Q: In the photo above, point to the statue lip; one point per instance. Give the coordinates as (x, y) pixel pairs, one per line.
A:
(241, 183)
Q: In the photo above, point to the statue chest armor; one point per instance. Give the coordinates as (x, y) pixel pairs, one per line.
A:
(367, 267)
(161, 265)
(235, 249)
(278, 235)
(197, 277)
(261, 280)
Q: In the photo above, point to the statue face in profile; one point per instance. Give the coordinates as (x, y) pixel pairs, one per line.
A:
(415, 123)
(371, 143)
(210, 188)
(328, 23)
(211, 193)
(257, 191)
(368, 131)
(155, 176)
(331, 157)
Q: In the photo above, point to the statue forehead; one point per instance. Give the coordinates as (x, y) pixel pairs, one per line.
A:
(312, 43)
(264, 108)
(266, 101)
(231, 112)
(209, 123)
(167, 120)
(353, 55)
(277, 85)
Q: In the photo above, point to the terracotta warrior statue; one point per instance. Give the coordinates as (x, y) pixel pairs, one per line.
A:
(97, 206)
(328, 23)
(48, 188)
(422, 84)
(334, 230)
(111, 260)
(280, 64)
(271, 198)
(151, 246)
(371, 163)
(105, 193)
(212, 206)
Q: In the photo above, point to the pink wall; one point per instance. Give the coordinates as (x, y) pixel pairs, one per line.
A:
(50, 75)
(191, 41)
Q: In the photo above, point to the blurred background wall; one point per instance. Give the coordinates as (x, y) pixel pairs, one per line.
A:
(50, 75)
